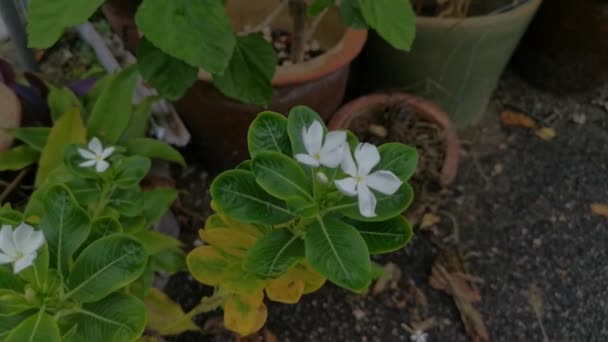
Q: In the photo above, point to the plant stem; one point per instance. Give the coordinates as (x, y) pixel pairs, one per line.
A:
(106, 192)
(298, 13)
(13, 185)
(271, 17)
(207, 304)
(313, 27)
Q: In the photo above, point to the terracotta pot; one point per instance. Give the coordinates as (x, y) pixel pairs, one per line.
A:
(219, 124)
(10, 115)
(375, 103)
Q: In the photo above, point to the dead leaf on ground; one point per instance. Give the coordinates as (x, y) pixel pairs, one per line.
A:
(214, 325)
(389, 280)
(429, 220)
(599, 209)
(546, 133)
(510, 118)
(535, 299)
(261, 336)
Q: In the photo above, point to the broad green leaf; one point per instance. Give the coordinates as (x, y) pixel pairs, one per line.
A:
(171, 260)
(301, 117)
(86, 191)
(17, 158)
(105, 266)
(385, 236)
(157, 202)
(128, 202)
(12, 303)
(197, 32)
(48, 19)
(69, 129)
(8, 323)
(350, 12)
(61, 100)
(39, 327)
(245, 165)
(112, 111)
(395, 21)
(281, 176)
(117, 317)
(10, 216)
(244, 317)
(398, 158)
(134, 224)
(10, 281)
(387, 206)
(142, 285)
(71, 334)
(37, 275)
(101, 227)
(239, 196)
(153, 148)
(34, 137)
(268, 132)
(249, 73)
(95, 92)
(65, 225)
(130, 171)
(171, 76)
(303, 207)
(319, 6)
(140, 120)
(275, 253)
(165, 316)
(155, 242)
(337, 251)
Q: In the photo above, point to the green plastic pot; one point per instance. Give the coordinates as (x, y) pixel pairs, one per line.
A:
(454, 62)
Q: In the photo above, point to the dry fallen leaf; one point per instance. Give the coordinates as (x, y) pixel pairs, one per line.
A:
(389, 280)
(535, 299)
(510, 118)
(428, 220)
(599, 209)
(546, 133)
(377, 130)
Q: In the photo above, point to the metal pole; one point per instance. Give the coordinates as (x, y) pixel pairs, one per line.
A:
(16, 30)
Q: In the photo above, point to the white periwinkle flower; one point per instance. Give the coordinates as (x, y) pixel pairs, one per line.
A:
(96, 155)
(419, 336)
(328, 153)
(19, 246)
(360, 182)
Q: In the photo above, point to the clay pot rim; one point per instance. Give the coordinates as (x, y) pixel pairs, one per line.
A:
(7, 91)
(343, 53)
(480, 20)
(427, 110)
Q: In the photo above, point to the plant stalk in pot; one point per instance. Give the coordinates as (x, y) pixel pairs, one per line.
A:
(460, 51)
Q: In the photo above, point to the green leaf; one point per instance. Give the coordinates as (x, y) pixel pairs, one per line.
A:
(69, 129)
(65, 225)
(131, 170)
(281, 176)
(8, 323)
(155, 242)
(12, 303)
(337, 251)
(238, 195)
(153, 148)
(118, 317)
(395, 21)
(105, 266)
(37, 275)
(385, 236)
(301, 117)
(268, 132)
(319, 6)
(157, 202)
(138, 125)
(170, 260)
(34, 137)
(17, 158)
(134, 224)
(61, 100)
(10, 216)
(171, 76)
(275, 253)
(249, 74)
(197, 32)
(112, 111)
(387, 206)
(128, 202)
(86, 191)
(9, 280)
(102, 227)
(399, 159)
(39, 327)
(48, 19)
(350, 12)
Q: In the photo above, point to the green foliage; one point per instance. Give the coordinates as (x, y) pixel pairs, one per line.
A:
(393, 20)
(268, 134)
(17, 158)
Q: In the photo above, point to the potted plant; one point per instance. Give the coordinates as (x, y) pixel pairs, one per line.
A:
(461, 49)
(238, 68)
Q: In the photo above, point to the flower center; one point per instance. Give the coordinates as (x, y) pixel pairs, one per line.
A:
(19, 255)
(98, 158)
(359, 178)
(317, 156)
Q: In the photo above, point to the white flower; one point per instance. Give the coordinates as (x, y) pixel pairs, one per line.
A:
(361, 180)
(96, 155)
(419, 336)
(19, 246)
(328, 154)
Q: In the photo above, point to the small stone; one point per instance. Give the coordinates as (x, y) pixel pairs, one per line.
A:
(287, 62)
(282, 55)
(578, 118)
(497, 170)
(537, 242)
(279, 45)
(359, 314)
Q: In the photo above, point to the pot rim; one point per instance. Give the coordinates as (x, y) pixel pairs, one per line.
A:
(365, 105)
(18, 114)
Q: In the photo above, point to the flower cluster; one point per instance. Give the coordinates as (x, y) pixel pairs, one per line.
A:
(19, 246)
(333, 150)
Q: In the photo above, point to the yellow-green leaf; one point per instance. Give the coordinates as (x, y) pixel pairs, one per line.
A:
(228, 240)
(208, 265)
(287, 288)
(166, 316)
(17, 158)
(243, 316)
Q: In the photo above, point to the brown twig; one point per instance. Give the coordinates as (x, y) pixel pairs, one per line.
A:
(12, 185)
(270, 18)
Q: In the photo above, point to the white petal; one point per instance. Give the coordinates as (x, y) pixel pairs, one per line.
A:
(7, 245)
(347, 186)
(5, 259)
(348, 164)
(367, 201)
(367, 157)
(21, 237)
(86, 154)
(24, 262)
(101, 166)
(332, 158)
(333, 140)
(306, 159)
(313, 138)
(88, 163)
(322, 178)
(107, 152)
(95, 146)
(383, 181)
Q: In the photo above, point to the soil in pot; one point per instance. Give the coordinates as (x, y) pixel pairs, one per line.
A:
(281, 41)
